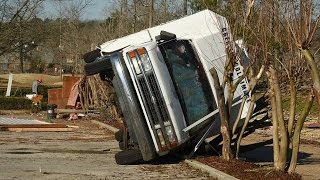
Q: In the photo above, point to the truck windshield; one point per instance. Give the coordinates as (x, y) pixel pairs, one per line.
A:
(189, 79)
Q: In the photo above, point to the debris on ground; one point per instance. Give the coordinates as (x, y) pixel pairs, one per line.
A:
(26, 125)
(73, 116)
(313, 125)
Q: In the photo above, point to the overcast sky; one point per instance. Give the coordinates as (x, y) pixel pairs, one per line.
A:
(96, 10)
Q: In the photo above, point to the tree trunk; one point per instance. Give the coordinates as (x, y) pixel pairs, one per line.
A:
(297, 132)
(245, 124)
(235, 125)
(185, 7)
(315, 75)
(21, 54)
(134, 24)
(151, 13)
(292, 110)
(275, 135)
(281, 164)
(224, 117)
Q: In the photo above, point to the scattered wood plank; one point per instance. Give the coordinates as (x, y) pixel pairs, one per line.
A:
(314, 125)
(37, 127)
(75, 111)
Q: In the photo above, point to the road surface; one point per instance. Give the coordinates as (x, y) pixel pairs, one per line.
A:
(86, 153)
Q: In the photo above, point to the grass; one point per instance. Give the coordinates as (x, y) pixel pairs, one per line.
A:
(26, 79)
(300, 105)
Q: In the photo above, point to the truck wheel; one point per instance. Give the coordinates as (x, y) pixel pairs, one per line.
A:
(97, 66)
(122, 146)
(91, 56)
(119, 135)
(132, 156)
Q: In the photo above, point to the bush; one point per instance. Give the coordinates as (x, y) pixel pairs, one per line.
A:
(22, 92)
(15, 103)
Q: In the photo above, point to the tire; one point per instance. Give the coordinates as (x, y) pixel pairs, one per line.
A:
(119, 135)
(122, 146)
(98, 66)
(91, 56)
(127, 157)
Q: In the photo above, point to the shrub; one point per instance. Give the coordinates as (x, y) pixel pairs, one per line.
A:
(22, 92)
(15, 103)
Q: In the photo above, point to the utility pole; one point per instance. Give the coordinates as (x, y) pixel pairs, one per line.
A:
(60, 39)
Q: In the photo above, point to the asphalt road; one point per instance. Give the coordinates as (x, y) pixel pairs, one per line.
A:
(84, 154)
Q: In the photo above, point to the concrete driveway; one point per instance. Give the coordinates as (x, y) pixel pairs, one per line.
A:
(86, 153)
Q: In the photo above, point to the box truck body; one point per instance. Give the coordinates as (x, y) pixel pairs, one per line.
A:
(162, 79)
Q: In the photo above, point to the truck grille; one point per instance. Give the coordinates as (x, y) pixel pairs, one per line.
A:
(154, 99)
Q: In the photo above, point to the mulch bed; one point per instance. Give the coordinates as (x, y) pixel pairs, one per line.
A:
(244, 170)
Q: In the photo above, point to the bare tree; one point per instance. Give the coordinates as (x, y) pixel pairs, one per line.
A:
(282, 55)
(151, 12)
(71, 43)
(185, 7)
(15, 25)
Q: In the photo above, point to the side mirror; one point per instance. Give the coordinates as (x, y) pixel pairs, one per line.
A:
(165, 36)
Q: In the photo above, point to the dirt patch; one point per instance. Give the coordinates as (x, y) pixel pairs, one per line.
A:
(86, 130)
(117, 123)
(109, 119)
(244, 170)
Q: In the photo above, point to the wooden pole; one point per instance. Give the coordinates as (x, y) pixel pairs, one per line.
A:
(9, 84)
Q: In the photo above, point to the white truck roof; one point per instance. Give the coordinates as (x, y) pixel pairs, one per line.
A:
(194, 26)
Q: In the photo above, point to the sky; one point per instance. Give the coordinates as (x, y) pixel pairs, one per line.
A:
(95, 11)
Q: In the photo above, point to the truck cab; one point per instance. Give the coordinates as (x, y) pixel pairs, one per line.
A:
(163, 85)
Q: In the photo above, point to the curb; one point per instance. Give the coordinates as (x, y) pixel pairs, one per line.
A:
(210, 170)
(103, 125)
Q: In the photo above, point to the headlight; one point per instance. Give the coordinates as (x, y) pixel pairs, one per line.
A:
(136, 65)
(171, 136)
(145, 62)
(164, 147)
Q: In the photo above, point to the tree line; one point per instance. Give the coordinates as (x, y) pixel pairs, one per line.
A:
(280, 36)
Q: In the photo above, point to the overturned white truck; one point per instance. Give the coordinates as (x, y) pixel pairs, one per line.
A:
(163, 85)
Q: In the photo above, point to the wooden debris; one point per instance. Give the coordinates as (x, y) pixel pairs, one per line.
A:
(36, 127)
(314, 125)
